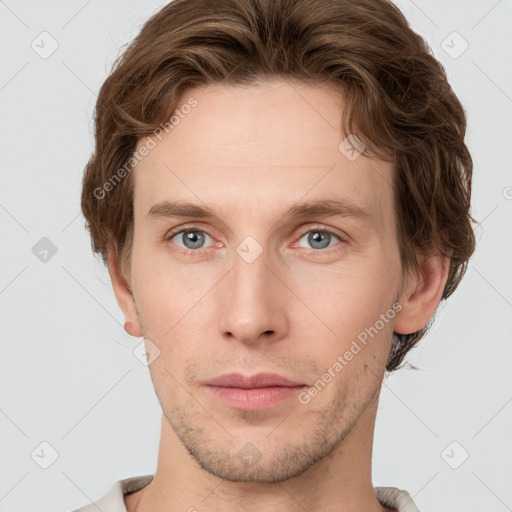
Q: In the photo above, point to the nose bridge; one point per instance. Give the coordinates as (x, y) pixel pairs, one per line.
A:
(251, 272)
(253, 304)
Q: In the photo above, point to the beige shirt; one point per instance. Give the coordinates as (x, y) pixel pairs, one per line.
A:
(113, 501)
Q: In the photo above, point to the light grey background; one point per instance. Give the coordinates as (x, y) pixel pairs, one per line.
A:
(68, 376)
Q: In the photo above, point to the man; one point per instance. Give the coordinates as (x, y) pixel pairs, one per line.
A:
(281, 192)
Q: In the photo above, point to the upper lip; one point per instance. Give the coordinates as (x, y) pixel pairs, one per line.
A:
(260, 380)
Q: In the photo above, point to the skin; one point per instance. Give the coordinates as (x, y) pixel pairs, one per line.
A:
(250, 153)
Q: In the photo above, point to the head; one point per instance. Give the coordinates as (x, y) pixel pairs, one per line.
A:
(224, 119)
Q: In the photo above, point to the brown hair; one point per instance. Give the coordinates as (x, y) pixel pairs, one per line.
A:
(398, 103)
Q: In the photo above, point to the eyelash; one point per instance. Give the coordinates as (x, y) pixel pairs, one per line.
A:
(316, 229)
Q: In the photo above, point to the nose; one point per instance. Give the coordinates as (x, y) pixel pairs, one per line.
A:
(254, 302)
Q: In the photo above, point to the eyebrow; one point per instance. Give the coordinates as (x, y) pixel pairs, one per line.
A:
(319, 207)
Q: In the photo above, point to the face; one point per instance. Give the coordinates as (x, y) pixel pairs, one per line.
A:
(263, 285)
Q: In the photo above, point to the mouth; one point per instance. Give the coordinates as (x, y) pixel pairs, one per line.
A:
(257, 392)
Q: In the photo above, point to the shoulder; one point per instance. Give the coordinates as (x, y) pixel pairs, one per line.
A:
(397, 498)
(113, 500)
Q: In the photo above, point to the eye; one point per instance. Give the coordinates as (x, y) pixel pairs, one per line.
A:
(320, 238)
(190, 238)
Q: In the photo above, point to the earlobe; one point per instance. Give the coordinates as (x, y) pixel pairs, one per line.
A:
(124, 295)
(422, 294)
(129, 328)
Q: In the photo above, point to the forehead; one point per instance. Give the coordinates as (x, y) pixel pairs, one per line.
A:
(256, 147)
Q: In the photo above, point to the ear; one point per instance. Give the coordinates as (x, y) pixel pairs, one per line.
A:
(421, 294)
(124, 295)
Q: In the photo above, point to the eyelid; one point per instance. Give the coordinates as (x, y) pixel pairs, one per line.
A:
(324, 229)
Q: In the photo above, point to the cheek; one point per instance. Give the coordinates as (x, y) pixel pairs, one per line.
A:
(175, 315)
(354, 325)
(347, 302)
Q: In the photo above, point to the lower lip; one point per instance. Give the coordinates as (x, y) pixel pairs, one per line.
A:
(254, 398)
